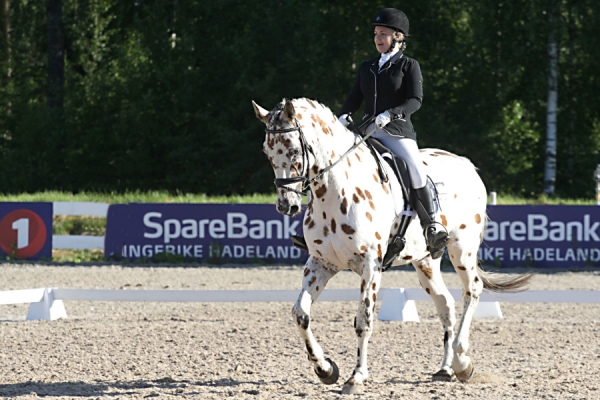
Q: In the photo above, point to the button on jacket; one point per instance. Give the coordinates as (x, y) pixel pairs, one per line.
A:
(397, 88)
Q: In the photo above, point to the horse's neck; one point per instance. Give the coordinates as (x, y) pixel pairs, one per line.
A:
(332, 148)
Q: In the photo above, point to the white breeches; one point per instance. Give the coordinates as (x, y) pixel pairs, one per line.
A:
(408, 150)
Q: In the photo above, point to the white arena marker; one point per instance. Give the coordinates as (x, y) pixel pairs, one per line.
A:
(47, 309)
(488, 309)
(395, 306)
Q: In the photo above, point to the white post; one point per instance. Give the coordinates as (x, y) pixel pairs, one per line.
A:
(395, 306)
(47, 309)
(493, 198)
(597, 179)
(488, 309)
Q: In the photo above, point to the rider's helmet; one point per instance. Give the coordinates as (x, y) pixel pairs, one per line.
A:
(392, 18)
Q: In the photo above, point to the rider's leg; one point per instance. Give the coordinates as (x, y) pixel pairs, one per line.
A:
(408, 150)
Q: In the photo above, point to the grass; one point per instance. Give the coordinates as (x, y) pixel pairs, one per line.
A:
(96, 226)
(137, 197)
(543, 199)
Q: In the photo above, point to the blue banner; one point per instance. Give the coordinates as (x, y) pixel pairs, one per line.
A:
(26, 230)
(239, 233)
(535, 236)
(542, 236)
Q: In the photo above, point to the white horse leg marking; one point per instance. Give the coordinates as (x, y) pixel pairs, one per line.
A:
(464, 260)
(428, 272)
(313, 284)
(363, 324)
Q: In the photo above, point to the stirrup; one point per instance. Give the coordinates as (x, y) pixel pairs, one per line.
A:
(299, 242)
(436, 241)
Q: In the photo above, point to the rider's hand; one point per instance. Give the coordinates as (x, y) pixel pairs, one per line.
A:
(383, 119)
(345, 119)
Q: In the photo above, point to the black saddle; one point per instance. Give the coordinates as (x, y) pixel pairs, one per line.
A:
(401, 171)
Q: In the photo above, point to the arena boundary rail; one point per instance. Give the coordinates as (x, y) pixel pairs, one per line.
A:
(397, 304)
(79, 209)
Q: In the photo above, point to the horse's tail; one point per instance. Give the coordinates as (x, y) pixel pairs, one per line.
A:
(502, 283)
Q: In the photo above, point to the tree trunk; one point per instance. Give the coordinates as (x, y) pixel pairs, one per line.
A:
(56, 55)
(8, 47)
(550, 169)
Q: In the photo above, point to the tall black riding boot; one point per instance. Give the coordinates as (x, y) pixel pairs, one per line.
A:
(436, 240)
(299, 242)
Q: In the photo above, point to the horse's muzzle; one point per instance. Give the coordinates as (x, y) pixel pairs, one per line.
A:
(284, 206)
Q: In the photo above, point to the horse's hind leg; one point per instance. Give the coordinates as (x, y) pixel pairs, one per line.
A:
(428, 271)
(313, 284)
(464, 259)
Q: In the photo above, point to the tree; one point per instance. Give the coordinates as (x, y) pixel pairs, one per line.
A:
(56, 55)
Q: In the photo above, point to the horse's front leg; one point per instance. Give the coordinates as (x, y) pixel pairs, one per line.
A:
(363, 325)
(313, 284)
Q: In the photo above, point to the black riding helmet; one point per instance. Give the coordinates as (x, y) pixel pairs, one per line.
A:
(392, 18)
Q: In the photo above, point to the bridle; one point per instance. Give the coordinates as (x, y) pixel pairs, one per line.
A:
(281, 183)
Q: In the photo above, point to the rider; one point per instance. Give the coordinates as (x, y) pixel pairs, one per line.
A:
(392, 87)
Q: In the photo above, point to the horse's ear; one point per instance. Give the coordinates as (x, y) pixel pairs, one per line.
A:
(260, 112)
(289, 113)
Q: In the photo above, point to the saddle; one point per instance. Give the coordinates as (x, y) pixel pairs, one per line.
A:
(400, 169)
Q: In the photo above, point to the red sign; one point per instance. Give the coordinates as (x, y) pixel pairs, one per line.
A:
(26, 229)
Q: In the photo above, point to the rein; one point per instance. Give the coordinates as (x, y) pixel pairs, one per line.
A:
(283, 182)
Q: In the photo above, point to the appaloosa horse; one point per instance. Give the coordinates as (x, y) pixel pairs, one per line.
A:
(351, 216)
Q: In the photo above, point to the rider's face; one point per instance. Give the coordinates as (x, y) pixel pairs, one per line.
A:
(383, 38)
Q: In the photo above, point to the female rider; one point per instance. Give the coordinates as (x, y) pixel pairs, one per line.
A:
(391, 86)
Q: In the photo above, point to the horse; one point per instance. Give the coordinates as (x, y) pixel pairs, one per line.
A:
(353, 214)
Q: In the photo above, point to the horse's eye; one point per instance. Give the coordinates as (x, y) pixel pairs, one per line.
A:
(293, 152)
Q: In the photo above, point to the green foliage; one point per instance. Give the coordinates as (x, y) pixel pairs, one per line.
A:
(137, 197)
(513, 150)
(157, 93)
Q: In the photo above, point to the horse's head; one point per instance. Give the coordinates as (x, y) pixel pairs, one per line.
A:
(286, 149)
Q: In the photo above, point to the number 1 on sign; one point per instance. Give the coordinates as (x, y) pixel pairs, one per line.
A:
(22, 228)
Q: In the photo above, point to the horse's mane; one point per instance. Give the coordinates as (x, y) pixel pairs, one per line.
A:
(309, 104)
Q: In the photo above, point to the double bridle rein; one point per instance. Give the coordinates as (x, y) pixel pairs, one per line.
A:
(281, 183)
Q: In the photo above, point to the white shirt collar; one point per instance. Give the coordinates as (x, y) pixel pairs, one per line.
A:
(386, 56)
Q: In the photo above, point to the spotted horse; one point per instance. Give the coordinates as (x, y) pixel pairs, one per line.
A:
(351, 217)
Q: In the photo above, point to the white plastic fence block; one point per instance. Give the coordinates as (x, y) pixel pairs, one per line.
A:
(80, 208)
(395, 306)
(488, 309)
(47, 309)
(77, 242)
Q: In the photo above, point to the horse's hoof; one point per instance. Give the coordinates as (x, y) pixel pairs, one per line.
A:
(465, 375)
(328, 377)
(352, 387)
(442, 376)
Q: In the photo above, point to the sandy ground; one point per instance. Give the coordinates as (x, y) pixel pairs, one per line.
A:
(252, 350)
